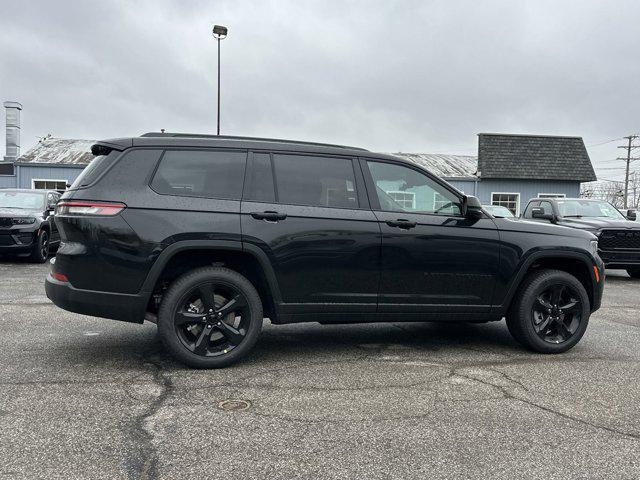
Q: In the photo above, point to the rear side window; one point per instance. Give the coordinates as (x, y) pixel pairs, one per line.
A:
(259, 186)
(319, 181)
(95, 168)
(200, 173)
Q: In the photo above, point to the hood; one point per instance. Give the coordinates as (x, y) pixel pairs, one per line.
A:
(528, 226)
(594, 224)
(20, 212)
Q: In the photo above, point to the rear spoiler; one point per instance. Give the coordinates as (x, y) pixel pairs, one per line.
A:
(103, 147)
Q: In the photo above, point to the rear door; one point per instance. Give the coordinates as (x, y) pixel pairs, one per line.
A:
(433, 258)
(309, 213)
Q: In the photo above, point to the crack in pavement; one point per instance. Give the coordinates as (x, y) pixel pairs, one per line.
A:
(512, 396)
(143, 458)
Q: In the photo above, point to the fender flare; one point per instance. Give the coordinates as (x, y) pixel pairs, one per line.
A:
(237, 246)
(540, 255)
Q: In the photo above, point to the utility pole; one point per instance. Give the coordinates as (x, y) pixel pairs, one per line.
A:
(630, 146)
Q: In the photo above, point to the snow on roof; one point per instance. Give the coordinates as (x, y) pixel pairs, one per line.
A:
(446, 166)
(59, 151)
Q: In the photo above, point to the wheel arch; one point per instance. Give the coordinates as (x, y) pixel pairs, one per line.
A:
(575, 263)
(247, 259)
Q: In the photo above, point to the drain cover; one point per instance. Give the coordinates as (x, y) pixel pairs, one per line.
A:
(234, 405)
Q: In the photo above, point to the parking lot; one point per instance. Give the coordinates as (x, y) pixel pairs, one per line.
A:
(83, 397)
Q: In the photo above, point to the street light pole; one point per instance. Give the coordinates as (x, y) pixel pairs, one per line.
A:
(219, 33)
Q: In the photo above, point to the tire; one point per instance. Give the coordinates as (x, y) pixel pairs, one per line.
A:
(634, 272)
(211, 345)
(525, 312)
(40, 249)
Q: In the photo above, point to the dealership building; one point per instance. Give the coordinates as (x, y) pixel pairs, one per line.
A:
(508, 170)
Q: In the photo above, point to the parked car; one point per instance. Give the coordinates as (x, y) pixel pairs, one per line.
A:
(498, 211)
(26, 223)
(207, 235)
(618, 236)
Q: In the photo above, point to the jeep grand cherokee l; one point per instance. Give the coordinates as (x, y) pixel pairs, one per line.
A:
(208, 235)
(618, 238)
(26, 223)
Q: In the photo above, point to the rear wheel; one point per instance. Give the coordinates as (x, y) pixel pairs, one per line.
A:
(634, 272)
(551, 312)
(210, 317)
(40, 249)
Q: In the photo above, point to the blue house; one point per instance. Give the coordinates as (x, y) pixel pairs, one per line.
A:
(510, 169)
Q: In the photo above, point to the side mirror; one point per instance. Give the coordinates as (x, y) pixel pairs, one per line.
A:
(631, 215)
(538, 212)
(471, 207)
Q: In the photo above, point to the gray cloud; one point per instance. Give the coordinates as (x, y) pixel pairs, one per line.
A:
(387, 75)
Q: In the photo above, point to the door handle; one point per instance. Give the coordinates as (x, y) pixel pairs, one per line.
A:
(270, 216)
(401, 223)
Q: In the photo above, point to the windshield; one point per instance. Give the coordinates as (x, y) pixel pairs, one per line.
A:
(588, 208)
(26, 200)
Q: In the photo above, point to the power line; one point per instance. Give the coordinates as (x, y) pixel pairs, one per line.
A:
(630, 146)
(604, 143)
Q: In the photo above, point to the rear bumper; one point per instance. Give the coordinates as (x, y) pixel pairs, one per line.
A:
(115, 306)
(620, 258)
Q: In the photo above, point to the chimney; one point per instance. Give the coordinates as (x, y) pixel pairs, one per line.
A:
(13, 131)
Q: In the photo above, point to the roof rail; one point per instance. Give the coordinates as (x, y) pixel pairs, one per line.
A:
(255, 139)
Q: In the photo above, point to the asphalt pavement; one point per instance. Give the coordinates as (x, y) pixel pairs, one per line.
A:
(82, 397)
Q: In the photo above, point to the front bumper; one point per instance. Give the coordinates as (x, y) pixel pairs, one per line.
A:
(620, 258)
(115, 306)
(17, 241)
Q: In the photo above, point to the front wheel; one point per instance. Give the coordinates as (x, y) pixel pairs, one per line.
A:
(210, 317)
(40, 249)
(634, 272)
(551, 312)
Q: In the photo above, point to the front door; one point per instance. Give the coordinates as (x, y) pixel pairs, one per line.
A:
(433, 258)
(310, 215)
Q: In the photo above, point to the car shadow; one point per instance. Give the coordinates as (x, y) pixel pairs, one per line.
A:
(288, 344)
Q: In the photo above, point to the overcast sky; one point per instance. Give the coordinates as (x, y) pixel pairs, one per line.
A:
(411, 76)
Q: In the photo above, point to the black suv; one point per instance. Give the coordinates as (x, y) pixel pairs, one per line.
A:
(208, 235)
(618, 237)
(26, 223)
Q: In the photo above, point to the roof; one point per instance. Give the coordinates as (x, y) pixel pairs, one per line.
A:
(538, 157)
(445, 166)
(59, 151)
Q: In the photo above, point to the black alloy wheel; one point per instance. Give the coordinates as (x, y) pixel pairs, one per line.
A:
(550, 311)
(40, 250)
(556, 313)
(210, 317)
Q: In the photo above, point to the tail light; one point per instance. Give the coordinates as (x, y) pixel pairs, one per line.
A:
(91, 209)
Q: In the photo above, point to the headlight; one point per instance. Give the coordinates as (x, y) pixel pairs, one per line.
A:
(594, 247)
(23, 220)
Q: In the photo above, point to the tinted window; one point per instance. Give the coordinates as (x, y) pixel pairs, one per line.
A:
(198, 173)
(402, 189)
(321, 181)
(527, 211)
(546, 207)
(98, 165)
(259, 185)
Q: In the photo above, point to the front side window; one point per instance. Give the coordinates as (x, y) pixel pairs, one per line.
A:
(200, 173)
(318, 181)
(403, 189)
(529, 209)
(547, 208)
(509, 200)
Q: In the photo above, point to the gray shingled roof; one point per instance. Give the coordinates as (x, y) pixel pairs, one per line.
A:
(445, 166)
(59, 151)
(533, 157)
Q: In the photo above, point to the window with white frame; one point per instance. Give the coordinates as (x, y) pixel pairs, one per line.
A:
(551, 195)
(404, 199)
(48, 184)
(507, 199)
